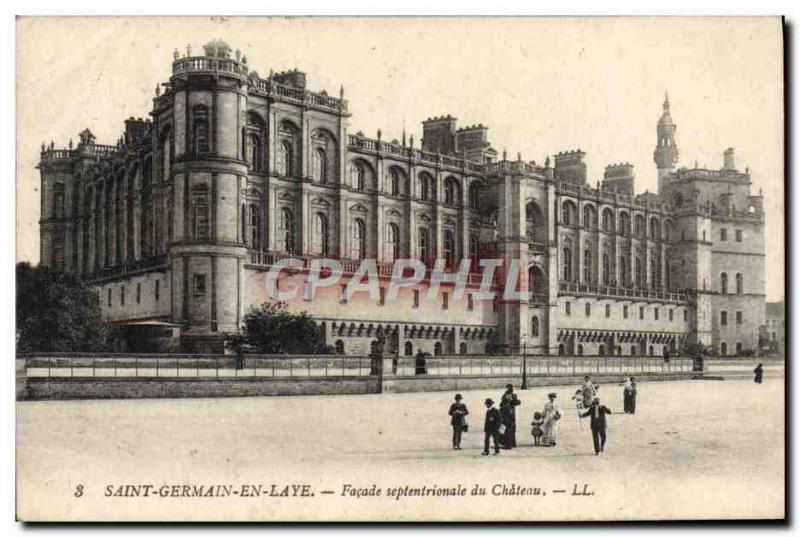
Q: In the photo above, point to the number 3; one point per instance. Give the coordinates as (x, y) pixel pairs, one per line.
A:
(79, 491)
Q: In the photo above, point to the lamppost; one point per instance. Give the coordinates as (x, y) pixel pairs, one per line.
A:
(524, 362)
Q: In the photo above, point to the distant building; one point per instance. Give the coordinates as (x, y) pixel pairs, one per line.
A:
(177, 223)
(775, 327)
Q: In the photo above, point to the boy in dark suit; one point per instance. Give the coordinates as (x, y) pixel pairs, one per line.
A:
(491, 428)
(597, 413)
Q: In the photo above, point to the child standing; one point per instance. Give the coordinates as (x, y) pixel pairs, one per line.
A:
(536, 430)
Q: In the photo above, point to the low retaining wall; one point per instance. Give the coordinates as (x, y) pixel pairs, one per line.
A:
(60, 388)
(422, 383)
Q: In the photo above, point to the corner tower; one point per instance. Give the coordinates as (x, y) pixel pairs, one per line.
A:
(666, 153)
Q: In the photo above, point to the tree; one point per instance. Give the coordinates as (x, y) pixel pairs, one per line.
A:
(273, 329)
(494, 342)
(57, 312)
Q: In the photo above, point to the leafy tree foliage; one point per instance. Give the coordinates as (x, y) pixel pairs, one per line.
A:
(494, 343)
(57, 312)
(273, 329)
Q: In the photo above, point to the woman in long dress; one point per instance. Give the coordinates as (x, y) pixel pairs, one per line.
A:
(552, 413)
(629, 396)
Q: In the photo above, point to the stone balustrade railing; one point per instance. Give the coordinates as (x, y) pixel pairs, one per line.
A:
(620, 292)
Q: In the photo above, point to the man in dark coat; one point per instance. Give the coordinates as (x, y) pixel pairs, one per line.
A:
(491, 428)
(759, 372)
(597, 413)
(508, 403)
(458, 411)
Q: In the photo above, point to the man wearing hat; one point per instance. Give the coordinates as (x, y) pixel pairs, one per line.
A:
(458, 411)
(491, 427)
(508, 403)
(597, 413)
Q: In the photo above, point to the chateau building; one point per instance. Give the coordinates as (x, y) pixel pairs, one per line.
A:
(177, 224)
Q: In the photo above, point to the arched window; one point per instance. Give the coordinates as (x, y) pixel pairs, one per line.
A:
(287, 229)
(738, 348)
(567, 213)
(537, 283)
(450, 191)
(286, 159)
(608, 220)
(320, 166)
(321, 234)
(655, 229)
(601, 350)
(587, 266)
(724, 283)
(580, 350)
(425, 187)
(200, 129)
(473, 249)
(437, 349)
(359, 239)
(473, 195)
(393, 243)
(254, 225)
(462, 348)
(606, 270)
(339, 346)
(394, 179)
(633, 350)
(534, 326)
(449, 244)
(589, 220)
(200, 213)
(638, 225)
(166, 157)
(739, 283)
(534, 223)
(624, 224)
(256, 160)
(566, 264)
(561, 349)
(651, 351)
(358, 175)
(58, 200)
(655, 274)
(423, 244)
(723, 349)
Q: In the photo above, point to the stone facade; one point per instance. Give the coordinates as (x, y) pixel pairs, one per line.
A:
(178, 223)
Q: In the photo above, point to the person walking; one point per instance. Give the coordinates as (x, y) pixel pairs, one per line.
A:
(759, 372)
(589, 391)
(597, 412)
(552, 413)
(508, 402)
(491, 428)
(629, 396)
(458, 413)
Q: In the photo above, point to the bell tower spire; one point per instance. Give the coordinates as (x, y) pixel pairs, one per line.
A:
(666, 152)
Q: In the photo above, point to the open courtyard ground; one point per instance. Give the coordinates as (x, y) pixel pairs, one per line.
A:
(694, 449)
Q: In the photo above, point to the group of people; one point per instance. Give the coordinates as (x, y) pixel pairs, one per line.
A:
(500, 424)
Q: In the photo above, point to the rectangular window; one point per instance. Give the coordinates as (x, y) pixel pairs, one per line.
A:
(641, 312)
(655, 313)
(445, 298)
(138, 293)
(382, 299)
(723, 318)
(568, 308)
(122, 296)
(108, 298)
(416, 298)
(738, 317)
(723, 234)
(158, 290)
(199, 284)
(671, 314)
(608, 310)
(343, 298)
(588, 310)
(625, 312)
(685, 315)
(738, 235)
(470, 304)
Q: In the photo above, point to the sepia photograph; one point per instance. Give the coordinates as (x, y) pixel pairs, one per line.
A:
(400, 269)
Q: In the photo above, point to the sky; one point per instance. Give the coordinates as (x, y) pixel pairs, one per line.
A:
(542, 85)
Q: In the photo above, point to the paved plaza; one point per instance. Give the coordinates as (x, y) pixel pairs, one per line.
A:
(699, 448)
